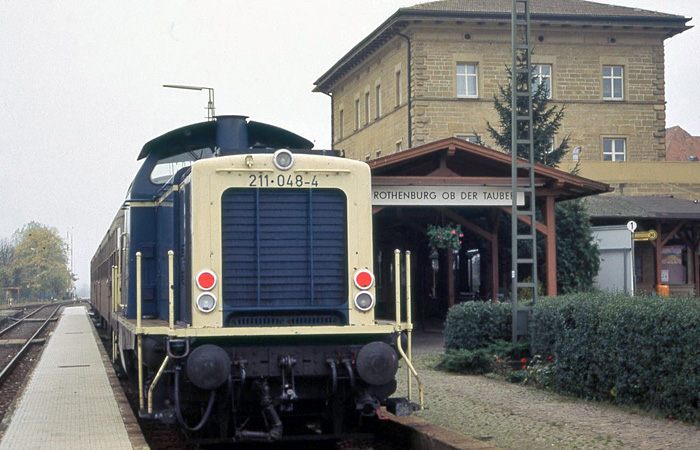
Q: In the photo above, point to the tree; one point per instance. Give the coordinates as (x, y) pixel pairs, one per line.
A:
(39, 263)
(7, 251)
(546, 122)
(578, 260)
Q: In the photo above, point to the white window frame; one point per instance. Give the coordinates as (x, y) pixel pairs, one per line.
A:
(357, 114)
(615, 154)
(468, 137)
(542, 78)
(399, 89)
(368, 107)
(463, 76)
(378, 101)
(609, 79)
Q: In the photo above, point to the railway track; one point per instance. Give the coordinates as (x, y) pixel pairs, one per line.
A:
(20, 350)
(18, 337)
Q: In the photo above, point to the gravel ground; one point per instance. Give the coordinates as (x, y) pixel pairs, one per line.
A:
(516, 417)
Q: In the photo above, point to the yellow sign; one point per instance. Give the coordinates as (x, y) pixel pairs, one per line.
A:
(650, 235)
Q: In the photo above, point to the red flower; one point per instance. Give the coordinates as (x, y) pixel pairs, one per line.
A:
(550, 357)
(522, 368)
(461, 235)
(523, 360)
(454, 231)
(499, 360)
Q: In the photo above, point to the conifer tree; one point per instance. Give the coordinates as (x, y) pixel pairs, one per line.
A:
(546, 122)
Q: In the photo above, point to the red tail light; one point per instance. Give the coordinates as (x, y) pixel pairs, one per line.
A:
(206, 280)
(364, 279)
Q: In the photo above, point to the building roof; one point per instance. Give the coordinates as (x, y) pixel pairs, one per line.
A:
(681, 146)
(544, 12)
(543, 8)
(642, 207)
(456, 161)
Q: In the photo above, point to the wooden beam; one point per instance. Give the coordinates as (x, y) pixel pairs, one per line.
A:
(494, 269)
(539, 226)
(664, 240)
(551, 246)
(450, 279)
(657, 254)
(466, 224)
(435, 180)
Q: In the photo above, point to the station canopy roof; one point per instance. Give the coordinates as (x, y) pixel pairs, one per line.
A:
(456, 161)
(643, 207)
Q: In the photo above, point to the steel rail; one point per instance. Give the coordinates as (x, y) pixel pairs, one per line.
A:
(5, 330)
(8, 368)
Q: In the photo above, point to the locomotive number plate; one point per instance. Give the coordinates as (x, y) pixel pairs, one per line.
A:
(282, 180)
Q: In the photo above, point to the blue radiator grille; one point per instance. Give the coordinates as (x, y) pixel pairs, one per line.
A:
(284, 251)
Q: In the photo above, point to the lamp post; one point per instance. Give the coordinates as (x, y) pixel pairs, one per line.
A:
(210, 103)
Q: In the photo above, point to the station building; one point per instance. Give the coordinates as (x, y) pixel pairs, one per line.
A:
(430, 72)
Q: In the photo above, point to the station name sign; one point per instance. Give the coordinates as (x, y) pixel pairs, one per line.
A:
(397, 195)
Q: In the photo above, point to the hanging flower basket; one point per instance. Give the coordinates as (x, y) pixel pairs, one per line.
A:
(448, 237)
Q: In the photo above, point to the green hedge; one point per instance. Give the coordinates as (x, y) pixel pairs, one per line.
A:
(630, 350)
(474, 325)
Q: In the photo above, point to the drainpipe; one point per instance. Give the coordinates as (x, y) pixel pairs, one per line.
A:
(408, 64)
(332, 118)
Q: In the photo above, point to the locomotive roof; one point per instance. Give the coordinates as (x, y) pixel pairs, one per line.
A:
(203, 134)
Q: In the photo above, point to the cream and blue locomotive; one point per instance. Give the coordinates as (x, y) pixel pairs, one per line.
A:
(236, 282)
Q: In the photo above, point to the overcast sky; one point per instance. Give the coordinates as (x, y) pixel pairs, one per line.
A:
(80, 89)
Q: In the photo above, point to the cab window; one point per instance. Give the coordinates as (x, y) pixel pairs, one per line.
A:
(167, 167)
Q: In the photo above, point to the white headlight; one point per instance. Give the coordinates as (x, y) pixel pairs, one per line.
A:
(283, 159)
(206, 302)
(364, 301)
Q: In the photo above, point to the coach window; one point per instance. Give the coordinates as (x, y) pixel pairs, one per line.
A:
(167, 167)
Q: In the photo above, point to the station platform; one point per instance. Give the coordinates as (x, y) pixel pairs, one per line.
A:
(73, 399)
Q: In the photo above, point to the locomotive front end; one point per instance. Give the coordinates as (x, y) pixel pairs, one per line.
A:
(281, 249)
(243, 294)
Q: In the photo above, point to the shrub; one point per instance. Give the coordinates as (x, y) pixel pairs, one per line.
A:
(475, 362)
(474, 325)
(641, 350)
(492, 358)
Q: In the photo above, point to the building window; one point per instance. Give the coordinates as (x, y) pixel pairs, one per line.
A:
(613, 82)
(378, 101)
(341, 123)
(467, 81)
(542, 74)
(469, 138)
(399, 89)
(399, 146)
(367, 108)
(614, 149)
(357, 114)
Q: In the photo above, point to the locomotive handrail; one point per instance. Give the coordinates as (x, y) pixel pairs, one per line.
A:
(138, 328)
(409, 330)
(138, 292)
(413, 371)
(156, 379)
(408, 325)
(171, 290)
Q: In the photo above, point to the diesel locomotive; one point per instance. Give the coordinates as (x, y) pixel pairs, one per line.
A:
(236, 283)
